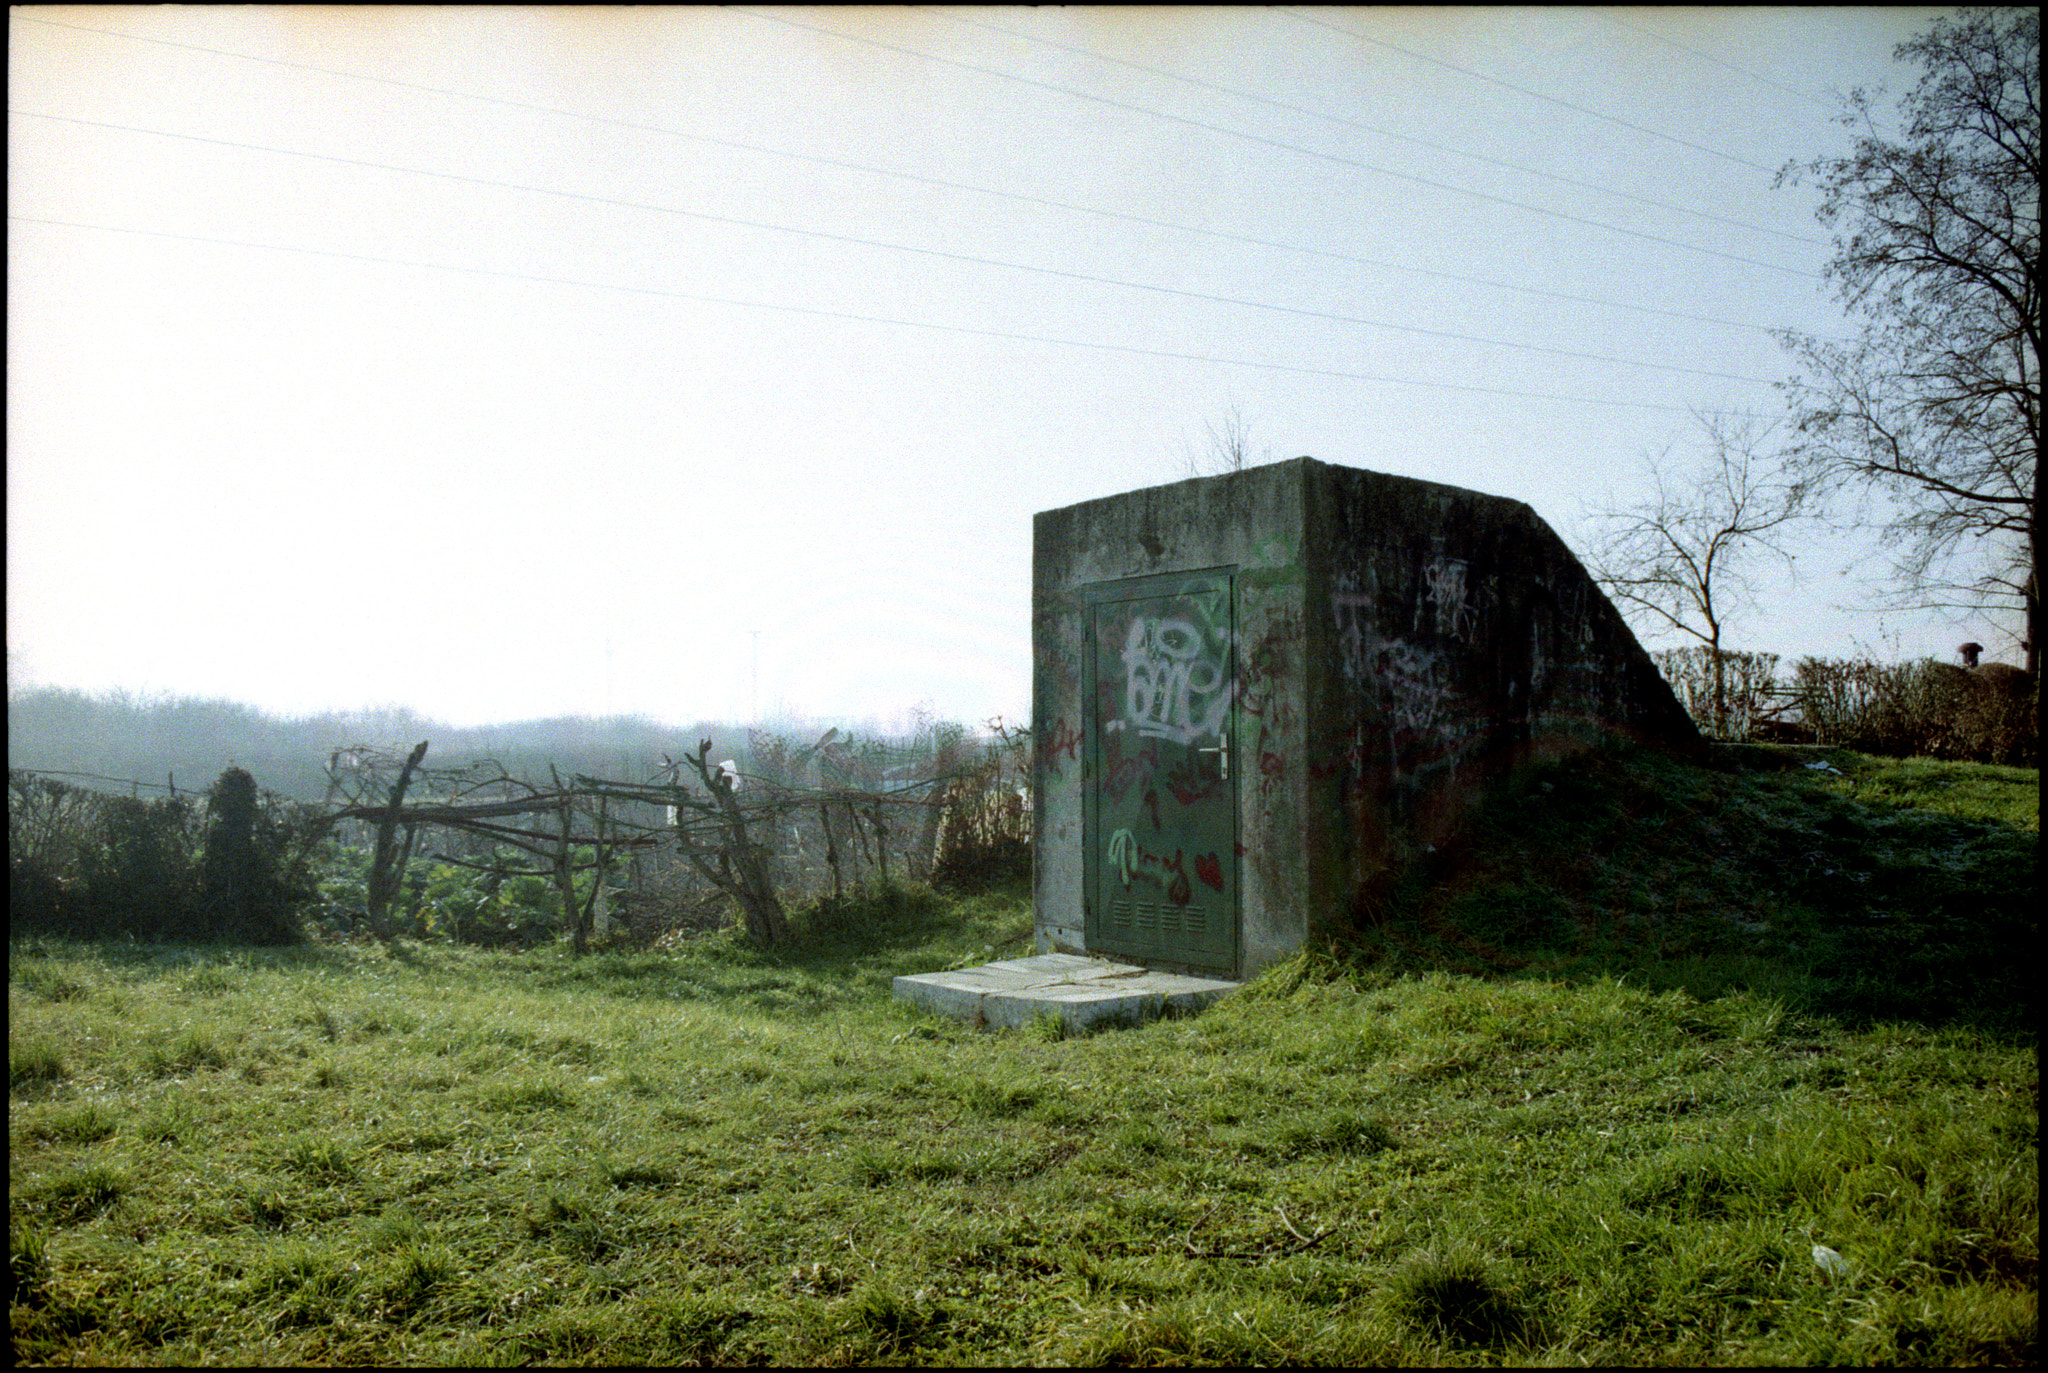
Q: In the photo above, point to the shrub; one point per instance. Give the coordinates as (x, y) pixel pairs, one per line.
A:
(1001, 862)
(1925, 708)
(246, 891)
(36, 898)
(1748, 681)
(87, 865)
(139, 875)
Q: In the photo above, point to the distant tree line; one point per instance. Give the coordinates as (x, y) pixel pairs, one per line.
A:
(184, 741)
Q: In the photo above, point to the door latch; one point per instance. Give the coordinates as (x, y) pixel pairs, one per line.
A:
(1222, 752)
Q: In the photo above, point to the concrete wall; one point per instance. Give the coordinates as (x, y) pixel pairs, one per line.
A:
(1249, 521)
(1400, 646)
(1462, 641)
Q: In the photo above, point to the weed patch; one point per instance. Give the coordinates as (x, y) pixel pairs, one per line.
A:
(33, 1064)
(1454, 1296)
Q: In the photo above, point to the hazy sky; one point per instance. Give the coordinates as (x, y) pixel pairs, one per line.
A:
(515, 362)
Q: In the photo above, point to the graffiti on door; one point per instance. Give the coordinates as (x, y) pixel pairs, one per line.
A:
(1176, 685)
(1163, 798)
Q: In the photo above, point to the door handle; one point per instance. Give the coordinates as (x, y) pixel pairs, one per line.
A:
(1222, 752)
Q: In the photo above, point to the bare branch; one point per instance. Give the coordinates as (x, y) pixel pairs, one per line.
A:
(1682, 554)
(1938, 403)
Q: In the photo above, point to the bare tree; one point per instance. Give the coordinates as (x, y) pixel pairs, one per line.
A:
(1937, 403)
(730, 858)
(486, 803)
(1682, 554)
(1230, 447)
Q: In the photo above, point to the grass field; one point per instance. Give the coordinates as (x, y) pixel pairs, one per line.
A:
(1594, 1095)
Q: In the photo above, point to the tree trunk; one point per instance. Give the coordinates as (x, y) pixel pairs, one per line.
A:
(765, 921)
(881, 839)
(565, 881)
(742, 872)
(924, 853)
(831, 851)
(384, 879)
(586, 925)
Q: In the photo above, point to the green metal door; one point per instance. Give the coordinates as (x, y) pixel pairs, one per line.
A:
(1162, 799)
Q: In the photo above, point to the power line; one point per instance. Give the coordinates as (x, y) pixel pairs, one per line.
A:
(1709, 57)
(1287, 147)
(1378, 263)
(867, 319)
(904, 248)
(1383, 133)
(1524, 90)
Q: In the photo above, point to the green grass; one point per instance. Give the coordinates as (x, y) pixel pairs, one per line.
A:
(1615, 1145)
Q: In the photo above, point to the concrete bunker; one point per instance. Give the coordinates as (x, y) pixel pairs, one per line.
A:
(1258, 697)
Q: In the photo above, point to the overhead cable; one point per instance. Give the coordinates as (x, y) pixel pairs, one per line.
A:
(1285, 147)
(1609, 16)
(866, 319)
(901, 248)
(1379, 132)
(1524, 90)
(1379, 263)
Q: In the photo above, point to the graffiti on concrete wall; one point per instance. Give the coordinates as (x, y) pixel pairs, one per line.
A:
(1267, 698)
(1351, 605)
(1062, 743)
(1444, 595)
(1410, 681)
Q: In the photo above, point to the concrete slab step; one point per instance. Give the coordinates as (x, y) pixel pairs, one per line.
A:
(1081, 991)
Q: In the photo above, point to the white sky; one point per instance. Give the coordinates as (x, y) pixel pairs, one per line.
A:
(619, 398)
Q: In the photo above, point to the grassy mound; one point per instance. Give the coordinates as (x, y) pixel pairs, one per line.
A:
(1859, 888)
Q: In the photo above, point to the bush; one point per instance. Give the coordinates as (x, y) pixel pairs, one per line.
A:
(92, 866)
(248, 894)
(1001, 862)
(446, 901)
(1748, 681)
(139, 873)
(36, 899)
(1925, 708)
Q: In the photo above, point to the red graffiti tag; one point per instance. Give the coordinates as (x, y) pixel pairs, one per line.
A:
(1119, 772)
(1209, 867)
(1178, 891)
(1188, 786)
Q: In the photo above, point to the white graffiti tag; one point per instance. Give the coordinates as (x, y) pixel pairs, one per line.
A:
(1172, 689)
(1444, 589)
(1410, 683)
(1352, 612)
(1416, 686)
